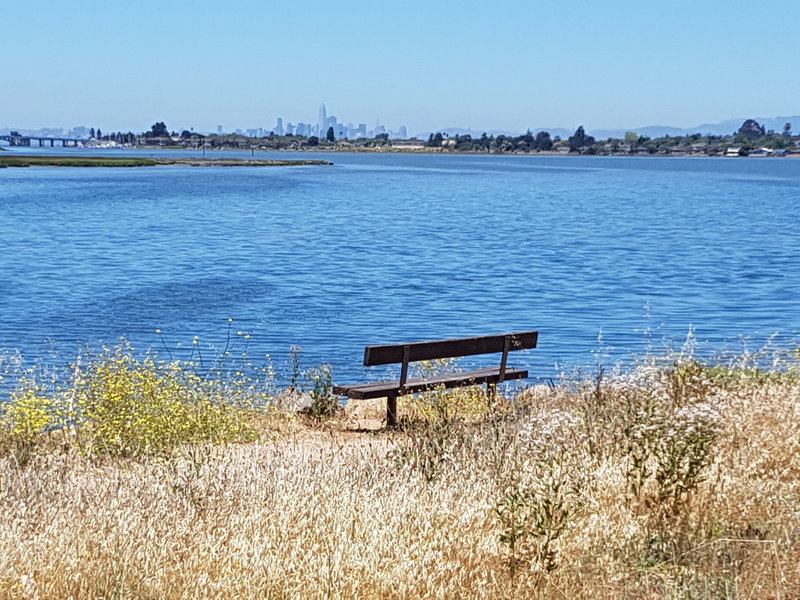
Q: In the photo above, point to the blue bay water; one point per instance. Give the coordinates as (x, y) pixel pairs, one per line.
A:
(384, 248)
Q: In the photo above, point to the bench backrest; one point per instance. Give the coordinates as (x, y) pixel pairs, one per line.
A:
(453, 348)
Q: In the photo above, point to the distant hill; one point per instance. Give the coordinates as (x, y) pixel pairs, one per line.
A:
(726, 127)
(731, 125)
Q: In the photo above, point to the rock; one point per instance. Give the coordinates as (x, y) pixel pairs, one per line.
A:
(291, 400)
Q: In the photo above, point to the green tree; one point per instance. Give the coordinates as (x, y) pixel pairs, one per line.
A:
(543, 141)
(526, 141)
(464, 142)
(435, 141)
(771, 140)
(159, 130)
(330, 136)
(579, 141)
(313, 141)
(632, 140)
(752, 129)
(501, 143)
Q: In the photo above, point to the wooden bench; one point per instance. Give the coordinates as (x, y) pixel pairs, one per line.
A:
(417, 351)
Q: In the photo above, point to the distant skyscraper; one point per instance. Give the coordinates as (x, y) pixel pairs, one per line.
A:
(322, 127)
(329, 122)
(219, 129)
(279, 127)
(402, 133)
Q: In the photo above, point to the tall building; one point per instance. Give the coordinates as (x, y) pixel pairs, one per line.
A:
(279, 127)
(322, 126)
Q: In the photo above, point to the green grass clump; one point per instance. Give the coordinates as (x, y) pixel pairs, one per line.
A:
(74, 161)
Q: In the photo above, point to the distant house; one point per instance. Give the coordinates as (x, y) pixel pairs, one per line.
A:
(761, 152)
(158, 141)
(733, 152)
(409, 144)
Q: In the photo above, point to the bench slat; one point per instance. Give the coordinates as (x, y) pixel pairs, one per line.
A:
(381, 389)
(393, 353)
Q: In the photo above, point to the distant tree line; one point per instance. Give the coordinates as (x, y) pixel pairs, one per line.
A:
(118, 136)
(489, 143)
(749, 137)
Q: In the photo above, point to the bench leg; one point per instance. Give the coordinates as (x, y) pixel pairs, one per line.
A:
(391, 411)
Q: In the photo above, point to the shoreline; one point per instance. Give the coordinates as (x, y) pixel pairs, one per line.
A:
(20, 160)
(120, 161)
(425, 150)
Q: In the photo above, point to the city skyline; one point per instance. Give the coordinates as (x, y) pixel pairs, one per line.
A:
(342, 130)
(349, 131)
(428, 66)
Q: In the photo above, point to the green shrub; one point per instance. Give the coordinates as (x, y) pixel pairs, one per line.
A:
(130, 406)
(123, 405)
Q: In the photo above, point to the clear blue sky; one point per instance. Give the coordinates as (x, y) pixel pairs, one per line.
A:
(427, 64)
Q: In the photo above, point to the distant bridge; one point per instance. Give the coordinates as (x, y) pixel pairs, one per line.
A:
(15, 139)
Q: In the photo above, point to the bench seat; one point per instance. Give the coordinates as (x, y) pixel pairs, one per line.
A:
(382, 389)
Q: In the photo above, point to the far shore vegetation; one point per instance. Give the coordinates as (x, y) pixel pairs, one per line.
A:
(118, 161)
(133, 476)
(751, 139)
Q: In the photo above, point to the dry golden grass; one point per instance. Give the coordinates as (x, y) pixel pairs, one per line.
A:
(311, 512)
